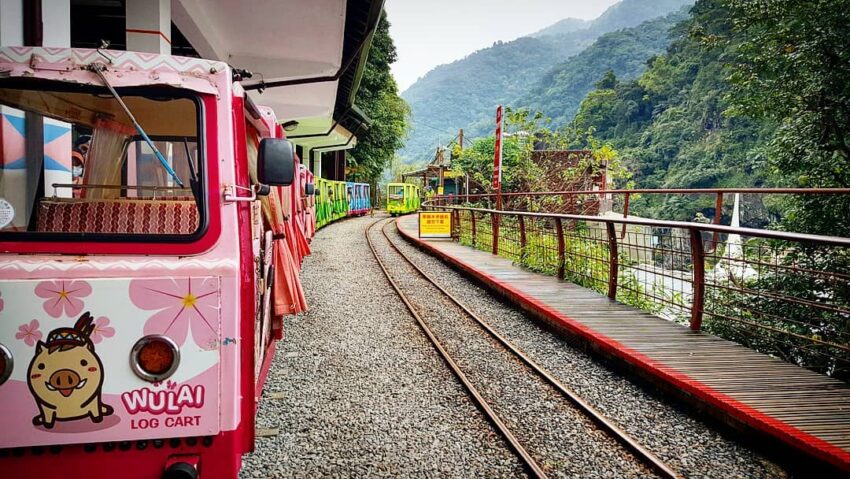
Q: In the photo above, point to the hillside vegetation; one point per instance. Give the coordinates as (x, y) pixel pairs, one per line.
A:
(560, 91)
(751, 93)
(378, 97)
(464, 94)
(670, 123)
(748, 94)
(704, 116)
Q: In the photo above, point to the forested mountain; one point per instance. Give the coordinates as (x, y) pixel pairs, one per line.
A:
(628, 14)
(560, 91)
(748, 94)
(670, 123)
(460, 94)
(567, 25)
(620, 15)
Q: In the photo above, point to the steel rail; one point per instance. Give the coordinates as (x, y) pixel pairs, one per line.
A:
(643, 454)
(533, 467)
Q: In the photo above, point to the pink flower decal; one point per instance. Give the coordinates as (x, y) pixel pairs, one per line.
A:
(63, 297)
(101, 330)
(182, 304)
(29, 333)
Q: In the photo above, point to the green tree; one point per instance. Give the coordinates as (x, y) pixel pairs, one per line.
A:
(524, 134)
(792, 69)
(379, 99)
(608, 82)
(671, 125)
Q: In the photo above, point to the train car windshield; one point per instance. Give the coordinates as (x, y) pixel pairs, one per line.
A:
(75, 167)
(396, 192)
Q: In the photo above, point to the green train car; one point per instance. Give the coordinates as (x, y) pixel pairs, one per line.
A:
(337, 199)
(331, 201)
(402, 198)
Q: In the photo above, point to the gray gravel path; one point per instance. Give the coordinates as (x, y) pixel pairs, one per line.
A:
(689, 445)
(364, 394)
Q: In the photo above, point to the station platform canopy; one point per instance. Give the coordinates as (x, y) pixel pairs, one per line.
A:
(306, 56)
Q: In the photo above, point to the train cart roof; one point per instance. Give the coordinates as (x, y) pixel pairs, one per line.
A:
(123, 68)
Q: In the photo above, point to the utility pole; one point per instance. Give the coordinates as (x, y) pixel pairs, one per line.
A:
(466, 185)
(497, 179)
(497, 165)
(441, 166)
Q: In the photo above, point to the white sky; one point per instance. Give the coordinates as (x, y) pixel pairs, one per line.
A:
(428, 33)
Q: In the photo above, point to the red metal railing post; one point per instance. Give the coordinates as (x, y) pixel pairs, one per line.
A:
(456, 226)
(613, 261)
(494, 223)
(718, 214)
(559, 231)
(474, 230)
(698, 259)
(522, 239)
(625, 213)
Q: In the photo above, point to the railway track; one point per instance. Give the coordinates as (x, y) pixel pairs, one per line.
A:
(531, 463)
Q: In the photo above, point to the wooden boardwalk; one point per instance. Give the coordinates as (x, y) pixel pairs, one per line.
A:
(803, 409)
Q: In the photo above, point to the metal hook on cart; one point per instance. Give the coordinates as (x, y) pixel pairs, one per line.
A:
(99, 69)
(104, 44)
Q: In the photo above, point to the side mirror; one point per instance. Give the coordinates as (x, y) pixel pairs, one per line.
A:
(310, 189)
(276, 162)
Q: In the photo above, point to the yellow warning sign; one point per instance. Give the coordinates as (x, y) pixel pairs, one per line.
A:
(435, 225)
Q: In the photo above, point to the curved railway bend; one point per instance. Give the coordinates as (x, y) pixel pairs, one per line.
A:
(358, 390)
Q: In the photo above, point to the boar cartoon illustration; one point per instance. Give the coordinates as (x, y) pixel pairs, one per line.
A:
(65, 376)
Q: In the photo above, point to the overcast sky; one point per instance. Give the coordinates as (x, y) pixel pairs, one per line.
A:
(428, 33)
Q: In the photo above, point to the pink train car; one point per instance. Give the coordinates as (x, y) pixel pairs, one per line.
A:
(140, 301)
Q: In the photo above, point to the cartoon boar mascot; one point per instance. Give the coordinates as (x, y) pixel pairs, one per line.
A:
(65, 376)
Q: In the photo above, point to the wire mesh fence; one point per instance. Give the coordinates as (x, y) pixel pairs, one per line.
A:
(782, 294)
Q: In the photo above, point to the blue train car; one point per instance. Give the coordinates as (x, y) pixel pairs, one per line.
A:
(359, 198)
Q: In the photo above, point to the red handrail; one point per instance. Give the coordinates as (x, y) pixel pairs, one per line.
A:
(665, 191)
(694, 272)
(711, 228)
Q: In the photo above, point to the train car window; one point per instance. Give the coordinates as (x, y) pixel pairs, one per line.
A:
(75, 168)
(396, 192)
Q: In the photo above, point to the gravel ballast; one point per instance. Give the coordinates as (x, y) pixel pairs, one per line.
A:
(558, 436)
(356, 390)
(689, 445)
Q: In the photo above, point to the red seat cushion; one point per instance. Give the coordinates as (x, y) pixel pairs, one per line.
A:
(117, 216)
